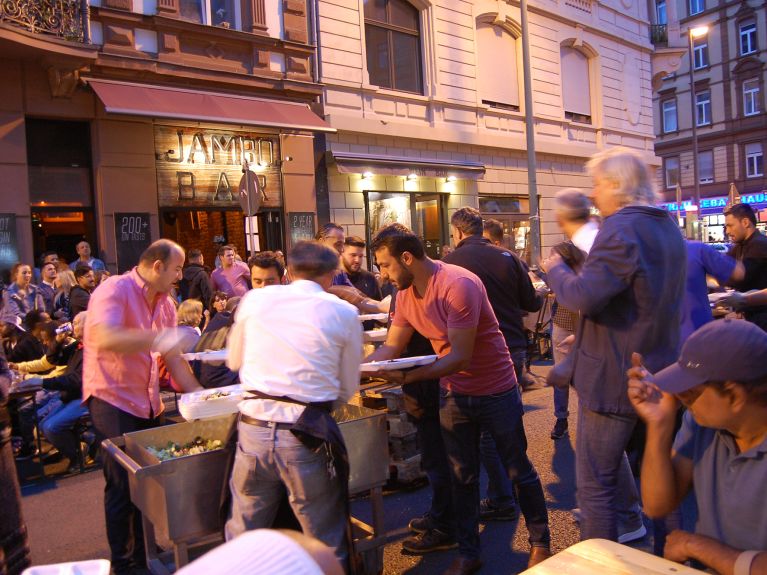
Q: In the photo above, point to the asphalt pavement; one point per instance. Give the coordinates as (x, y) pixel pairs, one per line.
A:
(65, 515)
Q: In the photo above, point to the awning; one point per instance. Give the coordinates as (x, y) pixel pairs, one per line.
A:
(201, 106)
(348, 163)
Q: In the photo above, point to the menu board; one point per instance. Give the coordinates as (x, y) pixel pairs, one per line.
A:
(9, 251)
(132, 237)
(301, 226)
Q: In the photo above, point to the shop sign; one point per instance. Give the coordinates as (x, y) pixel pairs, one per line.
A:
(719, 202)
(9, 252)
(200, 168)
(301, 225)
(132, 237)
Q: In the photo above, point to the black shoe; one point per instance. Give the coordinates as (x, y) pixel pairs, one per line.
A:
(489, 512)
(560, 428)
(432, 540)
(421, 524)
(26, 452)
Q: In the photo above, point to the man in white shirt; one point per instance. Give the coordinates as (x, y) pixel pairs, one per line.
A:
(297, 345)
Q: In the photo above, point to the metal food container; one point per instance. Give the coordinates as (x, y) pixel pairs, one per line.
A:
(180, 496)
(364, 432)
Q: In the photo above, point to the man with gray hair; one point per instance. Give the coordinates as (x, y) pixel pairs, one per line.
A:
(628, 293)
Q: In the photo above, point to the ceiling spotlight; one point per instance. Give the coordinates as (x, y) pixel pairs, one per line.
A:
(412, 176)
(451, 179)
(367, 175)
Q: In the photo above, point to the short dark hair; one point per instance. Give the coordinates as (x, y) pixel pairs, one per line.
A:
(266, 260)
(467, 221)
(311, 260)
(494, 229)
(160, 250)
(219, 295)
(33, 318)
(193, 254)
(326, 228)
(355, 241)
(226, 247)
(45, 255)
(49, 328)
(740, 211)
(398, 239)
(755, 389)
(82, 270)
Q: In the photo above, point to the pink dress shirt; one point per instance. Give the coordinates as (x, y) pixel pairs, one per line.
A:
(234, 281)
(127, 381)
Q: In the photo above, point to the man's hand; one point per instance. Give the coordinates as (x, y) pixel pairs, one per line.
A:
(677, 546)
(553, 260)
(173, 341)
(651, 404)
(396, 376)
(735, 300)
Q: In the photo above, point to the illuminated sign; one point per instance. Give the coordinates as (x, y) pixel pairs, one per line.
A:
(717, 202)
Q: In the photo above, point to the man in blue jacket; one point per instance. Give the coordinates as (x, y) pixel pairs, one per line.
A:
(629, 294)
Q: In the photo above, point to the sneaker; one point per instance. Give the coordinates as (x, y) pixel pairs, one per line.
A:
(634, 535)
(560, 428)
(421, 524)
(489, 512)
(432, 540)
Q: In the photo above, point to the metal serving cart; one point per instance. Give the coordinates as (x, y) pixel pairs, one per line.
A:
(180, 498)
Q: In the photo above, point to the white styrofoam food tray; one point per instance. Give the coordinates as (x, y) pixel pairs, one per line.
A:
(400, 363)
(94, 567)
(195, 405)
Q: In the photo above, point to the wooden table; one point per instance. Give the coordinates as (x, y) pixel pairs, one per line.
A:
(599, 556)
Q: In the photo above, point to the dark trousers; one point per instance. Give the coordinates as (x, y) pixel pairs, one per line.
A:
(14, 547)
(422, 404)
(123, 519)
(463, 417)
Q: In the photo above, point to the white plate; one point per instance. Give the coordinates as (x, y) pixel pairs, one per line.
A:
(375, 316)
(401, 363)
(206, 356)
(376, 334)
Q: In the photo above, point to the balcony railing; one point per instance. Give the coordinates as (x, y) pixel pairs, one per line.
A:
(659, 34)
(67, 19)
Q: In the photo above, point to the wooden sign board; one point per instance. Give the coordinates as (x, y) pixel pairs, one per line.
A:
(132, 237)
(9, 250)
(200, 168)
(301, 226)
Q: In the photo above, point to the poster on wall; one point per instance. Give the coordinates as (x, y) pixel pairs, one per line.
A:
(202, 168)
(388, 210)
(132, 237)
(301, 225)
(9, 251)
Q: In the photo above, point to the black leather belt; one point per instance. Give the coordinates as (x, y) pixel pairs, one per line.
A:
(260, 423)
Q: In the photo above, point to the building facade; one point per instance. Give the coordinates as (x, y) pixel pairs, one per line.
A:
(723, 99)
(123, 121)
(427, 97)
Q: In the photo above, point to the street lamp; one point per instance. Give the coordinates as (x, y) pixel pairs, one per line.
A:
(696, 32)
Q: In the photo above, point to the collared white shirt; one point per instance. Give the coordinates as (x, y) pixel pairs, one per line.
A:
(584, 237)
(297, 341)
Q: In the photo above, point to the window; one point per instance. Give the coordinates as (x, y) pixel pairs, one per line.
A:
(706, 167)
(697, 6)
(576, 85)
(754, 160)
(747, 37)
(660, 12)
(393, 44)
(497, 59)
(669, 116)
(751, 96)
(700, 53)
(703, 108)
(224, 13)
(671, 170)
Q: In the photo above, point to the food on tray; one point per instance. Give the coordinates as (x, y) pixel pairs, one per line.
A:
(173, 450)
(216, 395)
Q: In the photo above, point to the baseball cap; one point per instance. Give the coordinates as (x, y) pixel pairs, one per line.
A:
(721, 350)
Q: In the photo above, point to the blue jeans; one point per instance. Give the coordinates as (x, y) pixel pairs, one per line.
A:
(268, 463)
(463, 417)
(607, 493)
(59, 428)
(500, 490)
(561, 394)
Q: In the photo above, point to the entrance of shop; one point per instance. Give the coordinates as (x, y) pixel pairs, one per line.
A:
(422, 213)
(60, 187)
(206, 230)
(513, 213)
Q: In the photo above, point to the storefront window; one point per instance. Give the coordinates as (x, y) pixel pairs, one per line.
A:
(513, 213)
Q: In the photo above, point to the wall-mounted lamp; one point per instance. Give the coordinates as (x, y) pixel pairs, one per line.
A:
(451, 179)
(412, 176)
(367, 175)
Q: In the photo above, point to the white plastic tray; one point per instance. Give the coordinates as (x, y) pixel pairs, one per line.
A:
(206, 356)
(401, 363)
(195, 406)
(376, 334)
(94, 567)
(374, 316)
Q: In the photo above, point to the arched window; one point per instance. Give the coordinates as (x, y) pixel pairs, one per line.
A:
(497, 67)
(576, 85)
(393, 45)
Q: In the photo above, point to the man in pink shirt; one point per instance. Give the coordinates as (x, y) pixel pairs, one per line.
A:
(233, 277)
(448, 305)
(131, 323)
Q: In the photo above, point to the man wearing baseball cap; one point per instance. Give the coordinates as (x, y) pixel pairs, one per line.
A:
(721, 448)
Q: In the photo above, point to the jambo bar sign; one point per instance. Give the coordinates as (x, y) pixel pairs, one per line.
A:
(200, 168)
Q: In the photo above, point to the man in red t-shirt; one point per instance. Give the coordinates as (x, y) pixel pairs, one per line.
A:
(448, 305)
